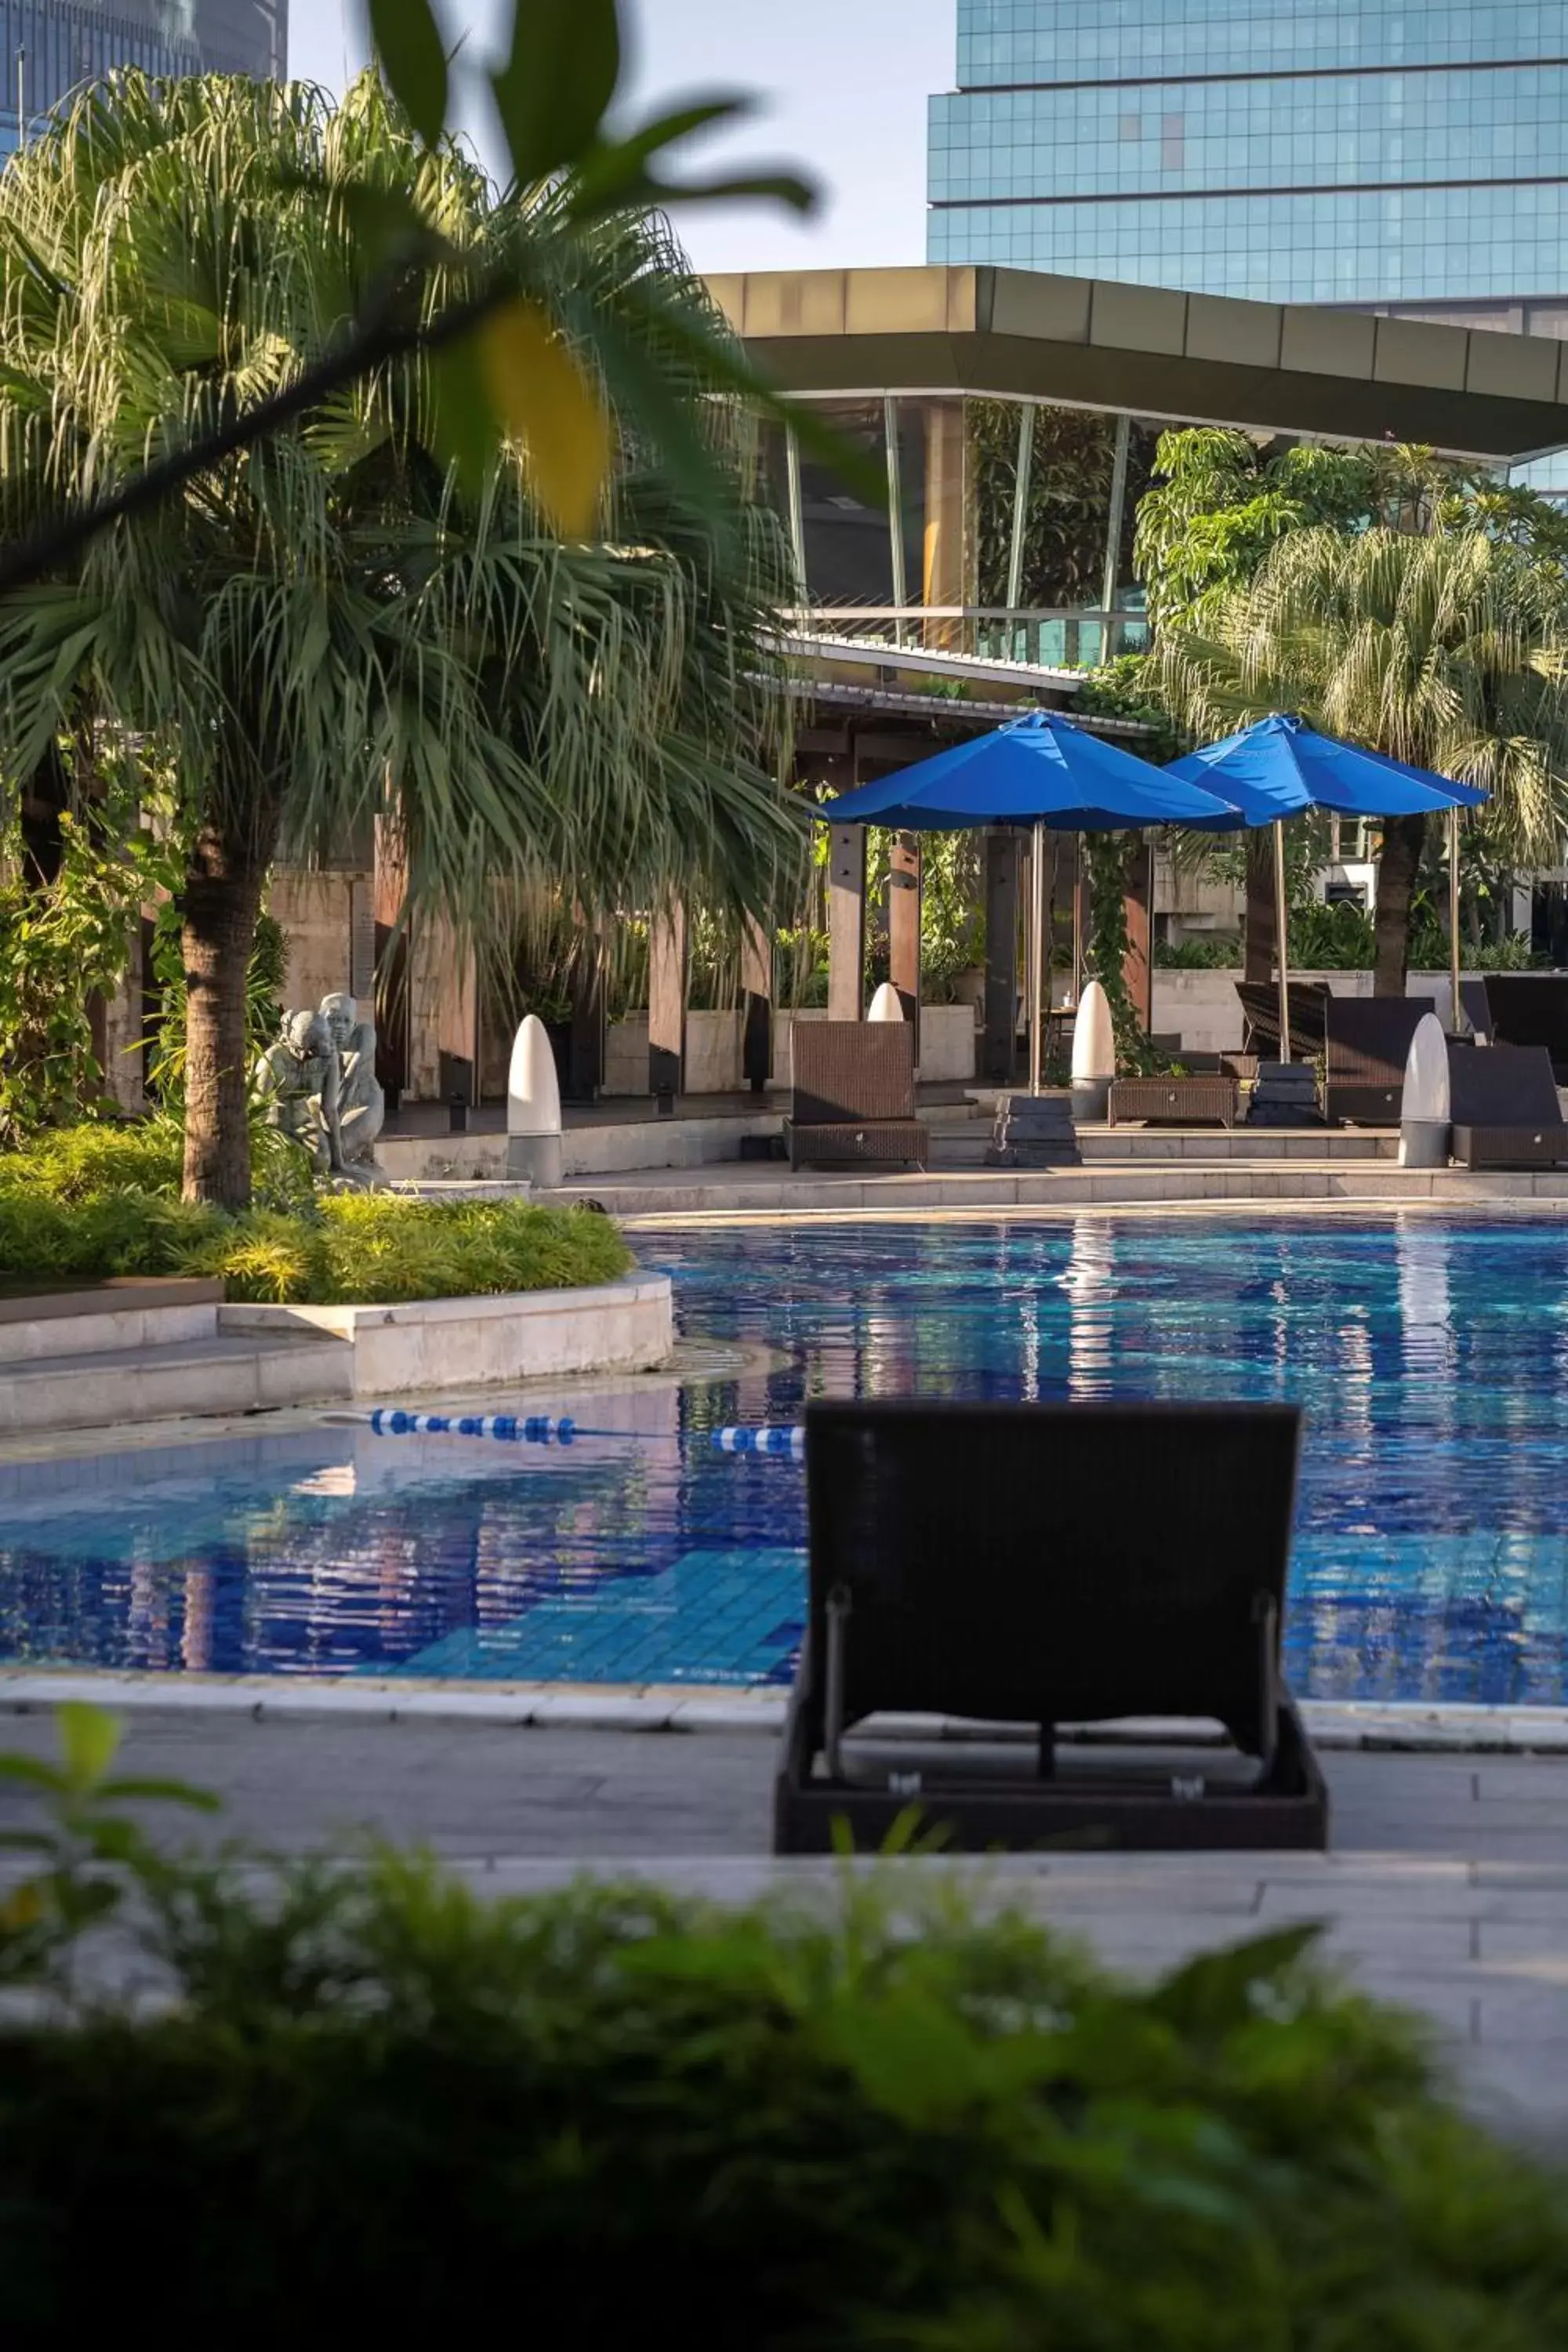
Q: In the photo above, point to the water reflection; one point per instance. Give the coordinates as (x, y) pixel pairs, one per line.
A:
(1432, 1547)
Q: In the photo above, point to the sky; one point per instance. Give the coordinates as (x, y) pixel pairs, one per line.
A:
(842, 87)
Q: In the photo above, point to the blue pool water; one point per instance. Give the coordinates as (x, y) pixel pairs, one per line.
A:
(1432, 1547)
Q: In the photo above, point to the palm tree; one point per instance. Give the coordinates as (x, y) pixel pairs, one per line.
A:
(337, 626)
(1446, 649)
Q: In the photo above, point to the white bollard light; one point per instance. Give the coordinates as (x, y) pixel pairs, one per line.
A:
(1093, 1054)
(1426, 1113)
(533, 1108)
(886, 1004)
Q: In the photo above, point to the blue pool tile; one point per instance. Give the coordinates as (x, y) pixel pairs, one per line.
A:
(1431, 1562)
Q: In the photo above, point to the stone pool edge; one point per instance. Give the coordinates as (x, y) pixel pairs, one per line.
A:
(1408, 1725)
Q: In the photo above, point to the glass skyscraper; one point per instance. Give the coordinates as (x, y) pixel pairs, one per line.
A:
(49, 47)
(1375, 153)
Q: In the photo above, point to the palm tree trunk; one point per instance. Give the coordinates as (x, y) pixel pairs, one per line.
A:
(1398, 864)
(222, 900)
(1258, 943)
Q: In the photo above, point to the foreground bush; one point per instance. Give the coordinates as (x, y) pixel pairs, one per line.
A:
(92, 1202)
(371, 2103)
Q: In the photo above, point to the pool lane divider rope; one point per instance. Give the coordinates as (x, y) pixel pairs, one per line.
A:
(545, 1429)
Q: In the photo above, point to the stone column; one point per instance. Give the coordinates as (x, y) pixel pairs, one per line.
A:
(998, 1040)
(667, 1001)
(945, 570)
(444, 1014)
(904, 928)
(846, 922)
(1138, 965)
(756, 1006)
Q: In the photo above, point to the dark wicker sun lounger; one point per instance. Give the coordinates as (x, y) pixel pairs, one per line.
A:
(1530, 1009)
(854, 1093)
(985, 1562)
(1503, 1103)
(1477, 1010)
(1368, 1045)
(1261, 1019)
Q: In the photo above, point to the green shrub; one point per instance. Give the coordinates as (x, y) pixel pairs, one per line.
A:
(369, 2101)
(1202, 951)
(87, 1202)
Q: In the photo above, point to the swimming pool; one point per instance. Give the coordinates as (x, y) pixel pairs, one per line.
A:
(1431, 1555)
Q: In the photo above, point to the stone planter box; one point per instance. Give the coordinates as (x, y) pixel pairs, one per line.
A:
(464, 1343)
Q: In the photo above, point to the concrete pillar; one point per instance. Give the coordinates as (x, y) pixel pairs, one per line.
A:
(667, 1001)
(756, 1006)
(945, 579)
(846, 921)
(997, 1044)
(1138, 965)
(444, 1014)
(904, 928)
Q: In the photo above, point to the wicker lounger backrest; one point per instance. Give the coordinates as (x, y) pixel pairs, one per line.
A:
(1529, 1009)
(1503, 1085)
(1368, 1038)
(846, 1071)
(1050, 1563)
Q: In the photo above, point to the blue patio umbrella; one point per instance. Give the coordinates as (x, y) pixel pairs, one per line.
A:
(1040, 771)
(1280, 766)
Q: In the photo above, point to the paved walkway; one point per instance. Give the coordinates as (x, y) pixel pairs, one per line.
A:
(1448, 1889)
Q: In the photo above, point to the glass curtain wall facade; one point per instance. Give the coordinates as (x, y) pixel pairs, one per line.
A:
(1365, 153)
(47, 47)
(1005, 527)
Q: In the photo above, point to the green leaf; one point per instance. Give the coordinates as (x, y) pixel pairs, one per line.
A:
(603, 175)
(166, 1792)
(408, 42)
(464, 426)
(553, 89)
(774, 187)
(1214, 1992)
(38, 1775)
(88, 1738)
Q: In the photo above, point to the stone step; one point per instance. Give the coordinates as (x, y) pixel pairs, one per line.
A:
(218, 1375)
(53, 1319)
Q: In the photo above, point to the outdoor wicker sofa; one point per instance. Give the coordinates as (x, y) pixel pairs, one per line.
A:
(981, 1564)
(1503, 1103)
(1367, 1046)
(854, 1093)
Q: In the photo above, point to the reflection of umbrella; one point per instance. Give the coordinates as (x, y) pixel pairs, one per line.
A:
(1040, 771)
(1280, 766)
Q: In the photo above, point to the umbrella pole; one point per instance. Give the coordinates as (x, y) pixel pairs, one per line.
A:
(1038, 940)
(1453, 917)
(1283, 940)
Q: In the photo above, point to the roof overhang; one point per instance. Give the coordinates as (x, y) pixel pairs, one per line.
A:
(1342, 375)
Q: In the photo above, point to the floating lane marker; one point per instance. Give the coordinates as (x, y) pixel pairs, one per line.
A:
(530, 1429)
(544, 1429)
(776, 1440)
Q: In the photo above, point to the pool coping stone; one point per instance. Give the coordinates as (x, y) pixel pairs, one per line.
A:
(1395, 1727)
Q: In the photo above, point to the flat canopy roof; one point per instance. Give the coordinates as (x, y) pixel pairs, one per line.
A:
(1343, 375)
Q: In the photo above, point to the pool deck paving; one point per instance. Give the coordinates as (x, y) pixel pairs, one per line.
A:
(1447, 1890)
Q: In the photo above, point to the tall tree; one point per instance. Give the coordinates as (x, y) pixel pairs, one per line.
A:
(1448, 649)
(1222, 505)
(358, 618)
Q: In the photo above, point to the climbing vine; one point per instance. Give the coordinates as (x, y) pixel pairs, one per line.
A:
(64, 938)
(1109, 862)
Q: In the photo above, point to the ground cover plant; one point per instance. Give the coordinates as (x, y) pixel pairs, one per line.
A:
(86, 1203)
(890, 2114)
